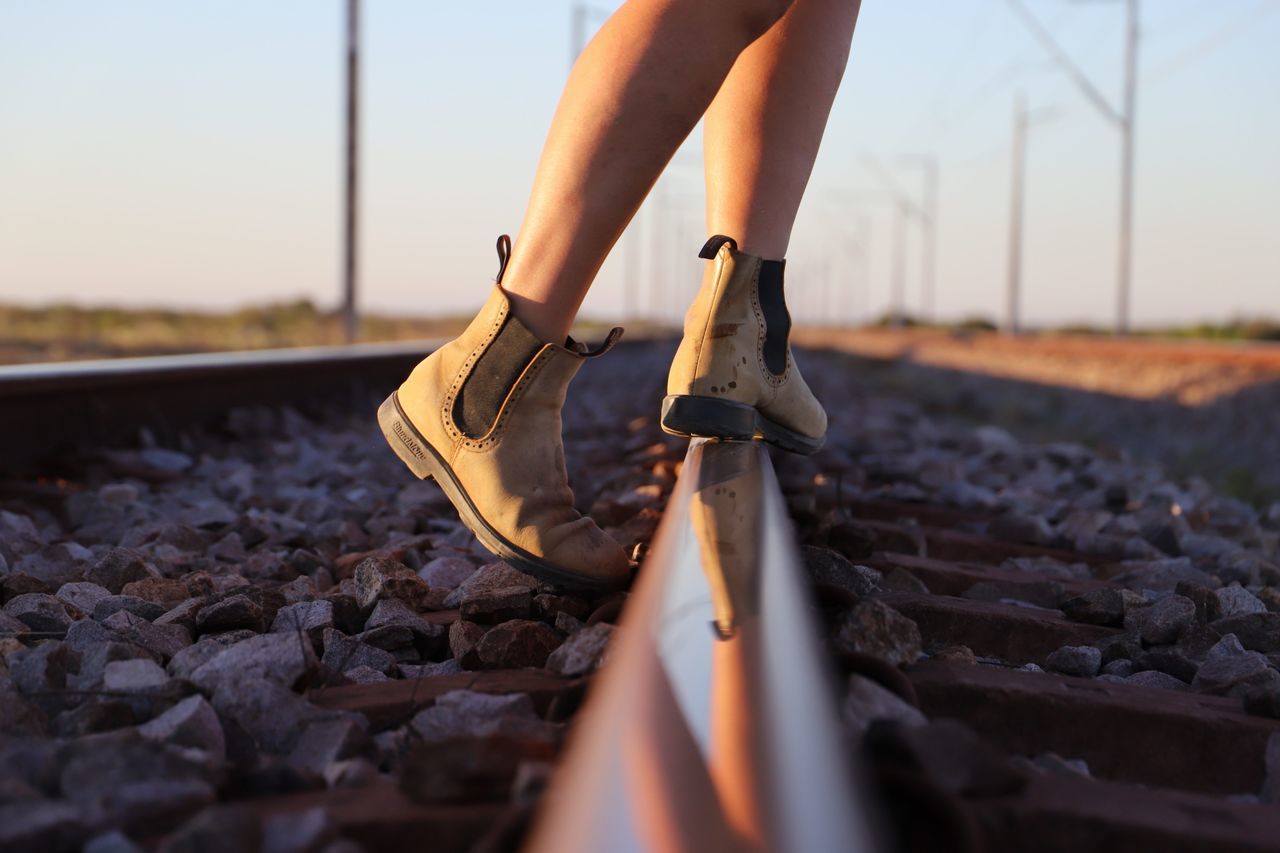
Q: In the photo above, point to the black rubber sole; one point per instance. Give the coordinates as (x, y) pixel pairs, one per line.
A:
(423, 460)
(709, 417)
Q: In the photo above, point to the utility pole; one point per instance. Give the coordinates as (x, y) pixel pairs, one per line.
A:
(1013, 307)
(906, 208)
(928, 233)
(1122, 119)
(351, 321)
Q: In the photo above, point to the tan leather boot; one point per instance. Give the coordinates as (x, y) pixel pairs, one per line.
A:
(482, 416)
(733, 375)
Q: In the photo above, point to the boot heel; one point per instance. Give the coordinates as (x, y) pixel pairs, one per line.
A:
(686, 414)
(402, 438)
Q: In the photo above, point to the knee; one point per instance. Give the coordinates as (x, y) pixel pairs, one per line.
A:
(758, 16)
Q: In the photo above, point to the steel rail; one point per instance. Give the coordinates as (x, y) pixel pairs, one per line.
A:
(47, 407)
(711, 726)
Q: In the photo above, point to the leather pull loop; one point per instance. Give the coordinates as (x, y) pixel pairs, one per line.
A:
(581, 349)
(504, 255)
(712, 247)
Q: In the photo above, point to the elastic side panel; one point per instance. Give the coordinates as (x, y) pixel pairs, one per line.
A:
(777, 322)
(479, 400)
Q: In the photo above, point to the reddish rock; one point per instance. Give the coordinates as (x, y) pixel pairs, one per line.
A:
(517, 643)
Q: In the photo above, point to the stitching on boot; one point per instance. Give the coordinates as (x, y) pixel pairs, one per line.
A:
(465, 370)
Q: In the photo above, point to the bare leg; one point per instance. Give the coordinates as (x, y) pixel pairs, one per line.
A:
(634, 95)
(764, 127)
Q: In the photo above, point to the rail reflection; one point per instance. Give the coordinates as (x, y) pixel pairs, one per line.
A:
(711, 726)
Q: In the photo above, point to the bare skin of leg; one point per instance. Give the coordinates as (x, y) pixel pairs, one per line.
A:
(763, 128)
(634, 95)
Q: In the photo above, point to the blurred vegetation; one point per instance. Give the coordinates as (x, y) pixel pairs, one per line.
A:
(63, 331)
(1240, 329)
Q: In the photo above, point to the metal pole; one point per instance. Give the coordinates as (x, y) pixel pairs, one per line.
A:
(1124, 272)
(351, 320)
(898, 278)
(929, 245)
(1012, 321)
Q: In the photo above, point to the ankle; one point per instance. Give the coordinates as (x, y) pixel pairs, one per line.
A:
(547, 323)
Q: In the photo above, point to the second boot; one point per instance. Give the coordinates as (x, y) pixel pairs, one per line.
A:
(481, 415)
(734, 376)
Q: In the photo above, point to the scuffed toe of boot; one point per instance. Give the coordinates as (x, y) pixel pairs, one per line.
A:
(593, 558)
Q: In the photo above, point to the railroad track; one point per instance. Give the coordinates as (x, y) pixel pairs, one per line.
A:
(714, 724)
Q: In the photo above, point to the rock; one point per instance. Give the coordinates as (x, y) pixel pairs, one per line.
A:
(1257, 631)
(192, 723)
(84, 634)
(582, 652)
(489, 579)
(1171, 660)
(550, 606)
(114, 841)
(1236, 601)
(39, 612)
(20, 717)
(93, 714)
(233, 613)
(378, 578)
(131, 676)
(447, 572)
(309, 617)
(162, 591)
(1228, 646)
(498, 605)
(347, 615)
(1223, 674)
(192, 657)
(262, 716)
(1208, 606)
(463, 637)
(57, 564)
(1102, 606)
(865, 702)
(299, 832)
(1271, 766)
(164, 641)
(104, 767)
(217, 829)
(468, 769)
(1080, 661)
(366, 675)
(1152, 678)
(113, 604)
(276, 658)
(1019, 527)
(517, 643)
(41, 673)
(342, 653)
(1120, 668)
(118, 567)
(876, 629)
(11, 626)
(328, 741)
(956, 654)
(465, 713)
(299, 589)
(183, 614)
(44, 825)
(394, 612)
(833, 573)
(901, 580)
(566, 624)
(82, 596)
(1163, 575)
(429, 670)
(1161, 622)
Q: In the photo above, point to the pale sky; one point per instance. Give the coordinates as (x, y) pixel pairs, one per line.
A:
(184, 153)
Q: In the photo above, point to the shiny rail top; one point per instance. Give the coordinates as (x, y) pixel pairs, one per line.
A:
(711, 726)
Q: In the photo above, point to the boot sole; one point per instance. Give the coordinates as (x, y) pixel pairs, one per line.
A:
(423, 460)
(709, 417)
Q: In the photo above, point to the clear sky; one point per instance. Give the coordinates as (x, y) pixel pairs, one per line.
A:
(188, 153)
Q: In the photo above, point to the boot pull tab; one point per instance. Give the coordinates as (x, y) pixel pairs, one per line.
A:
(712, 247)
(581, 349)
(504, 255)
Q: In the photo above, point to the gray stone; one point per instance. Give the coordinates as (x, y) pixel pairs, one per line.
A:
(875, 629)
(378, 578)
(1152, 678)
(131, 676)
(566, 624)
(20, 717)
(299, 832)
(325, 742)
(118, 567)
(93, 714)
(113, 604)
(831, 570)
(447, 572)
(164, 641)
(114, 841)
(517, 643)
(93, 663)
(394, 612)
(84, 634)
(41, 673)
(1228, 646)
(463, 637)
(1102, 606)
(1236, 601)
(1120, 668)
(1257, 631)
(1224, 673)
(262, 716)
(83, 596)
(428, 670)
(192, 723)
(102, 767)
(1161, 622)
(1271, 766)
(1019, 527)
(11, 626)
(192, 657)
(57, 564)
(487, 580)
(216, 829)
(39, 612)
(1163, 575)
(44, 825)
(342, 653)
(465, 713)
(1081, 661)
(183, 613)
(866, 701)
(233, 613)
(276, 658)
(366, 675)
(583, 652)
(309, 617)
